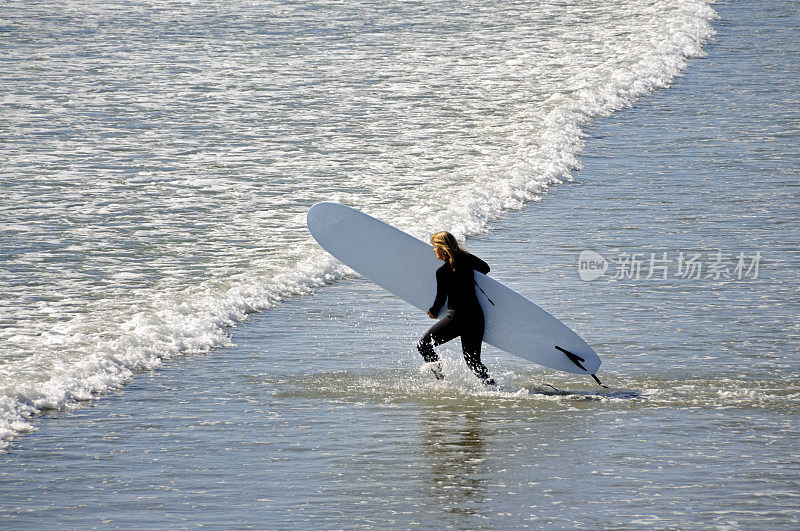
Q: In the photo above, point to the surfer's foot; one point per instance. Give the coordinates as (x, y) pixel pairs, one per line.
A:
(436, 369)
(488, 382)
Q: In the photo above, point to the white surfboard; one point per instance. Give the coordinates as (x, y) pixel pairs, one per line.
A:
(406, 266)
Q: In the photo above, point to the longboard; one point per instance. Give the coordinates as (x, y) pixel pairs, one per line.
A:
(406, 267)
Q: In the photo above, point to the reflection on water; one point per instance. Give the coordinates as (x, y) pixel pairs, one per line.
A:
(454, 449)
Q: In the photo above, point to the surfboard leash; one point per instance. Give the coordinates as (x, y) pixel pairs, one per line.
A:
(485, 295)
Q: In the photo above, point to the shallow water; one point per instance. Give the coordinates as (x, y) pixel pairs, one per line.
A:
(319, 417)
(327, 423)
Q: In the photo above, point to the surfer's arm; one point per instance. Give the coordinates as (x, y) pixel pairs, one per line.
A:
(441, 295)
(479, 265)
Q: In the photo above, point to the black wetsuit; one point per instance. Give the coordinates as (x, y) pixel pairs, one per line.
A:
(464, 314)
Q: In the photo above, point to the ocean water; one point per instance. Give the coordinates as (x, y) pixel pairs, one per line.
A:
(177, 351)
(159, 158)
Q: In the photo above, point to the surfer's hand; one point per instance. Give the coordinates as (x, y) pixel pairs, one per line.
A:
(430, 314)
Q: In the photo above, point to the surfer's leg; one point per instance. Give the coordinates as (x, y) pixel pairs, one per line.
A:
(442, 332)
(471, 341)
(472, 355)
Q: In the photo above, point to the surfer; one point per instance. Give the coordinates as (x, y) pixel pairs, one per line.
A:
(455, 283)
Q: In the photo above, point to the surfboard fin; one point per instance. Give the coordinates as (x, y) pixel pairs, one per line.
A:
(574, 358)
(596, 379)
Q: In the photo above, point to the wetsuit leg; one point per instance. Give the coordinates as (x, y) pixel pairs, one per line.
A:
(443, 331)
(471, 341)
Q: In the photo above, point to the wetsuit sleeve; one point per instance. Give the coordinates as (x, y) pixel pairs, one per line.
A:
(479, 265)
(441, 294)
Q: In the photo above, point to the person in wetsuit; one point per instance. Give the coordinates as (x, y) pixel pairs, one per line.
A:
(455, 283)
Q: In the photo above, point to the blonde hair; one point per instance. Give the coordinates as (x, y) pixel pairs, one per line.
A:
(448, 243)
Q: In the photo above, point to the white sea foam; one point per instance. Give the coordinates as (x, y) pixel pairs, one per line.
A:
(156, 181)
